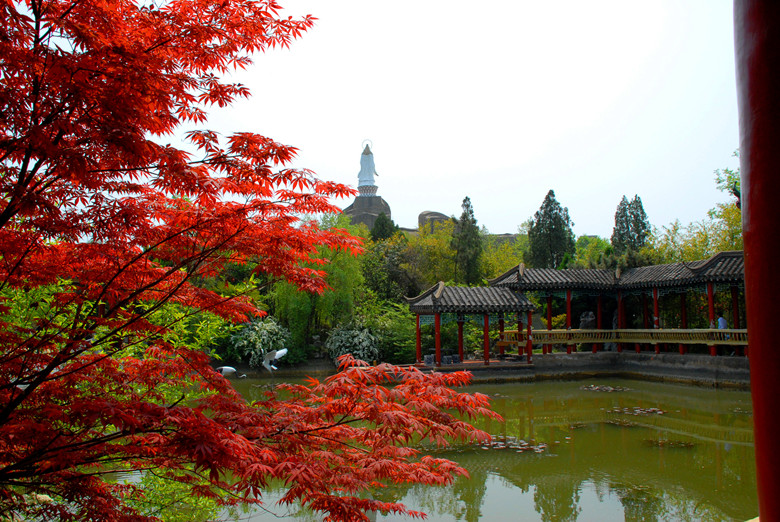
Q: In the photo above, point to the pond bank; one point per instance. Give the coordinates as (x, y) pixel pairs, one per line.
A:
(699, 370)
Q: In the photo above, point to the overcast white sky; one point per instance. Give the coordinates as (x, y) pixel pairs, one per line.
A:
(502, 101)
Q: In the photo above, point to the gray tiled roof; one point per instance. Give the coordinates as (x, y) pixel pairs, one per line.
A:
(469, 300)
(724, 267)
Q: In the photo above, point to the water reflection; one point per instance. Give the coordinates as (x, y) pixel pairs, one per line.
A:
(652, 452)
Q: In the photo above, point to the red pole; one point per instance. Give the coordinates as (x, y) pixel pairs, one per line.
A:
(529, 345)
(757, 44)
(620, 313)
(735, 307)
(501, 333)
(656, 319)
(460, 339)
(418, 341)
(568, 317)
(437, 331)
(519, 333)
(547, 348)
(598, 320)
(486, 339)
(683, 318)
(711, 309)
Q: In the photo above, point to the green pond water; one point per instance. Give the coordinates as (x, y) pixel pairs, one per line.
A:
(649, 452)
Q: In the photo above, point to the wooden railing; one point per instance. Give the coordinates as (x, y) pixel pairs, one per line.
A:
(706, 337)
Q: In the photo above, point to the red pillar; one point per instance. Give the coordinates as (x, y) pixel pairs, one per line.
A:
(757, 45)
(548, 348)
(683, 318)
(486, 339)
(711, 311)
(460, 339)
(620, 312)
(735, 307)
(519, 333)
(418, 341)
(735, 313)
(568, 317)
(656, 318)
(501, 333)
(598, 320)
(437, 332)
(529, 344)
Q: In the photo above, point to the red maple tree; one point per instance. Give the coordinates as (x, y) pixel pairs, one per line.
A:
(102, 226)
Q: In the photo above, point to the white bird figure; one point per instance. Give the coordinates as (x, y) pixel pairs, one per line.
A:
(272, 356)
(227, 371)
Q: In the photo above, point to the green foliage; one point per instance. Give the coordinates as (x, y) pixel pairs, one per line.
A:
(429, 257)
(393, 325)
(632, 228)
(256, 338)
(590, 250)
(467, 245)
(501, 254)
(306, 314)
(383, 228)
(381, 267)
(550, 236)
(558, 321)
(351, 338)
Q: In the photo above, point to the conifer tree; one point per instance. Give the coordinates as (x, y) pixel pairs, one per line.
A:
(632, 227)
(383, 228)
(467, 244)
(550, 236)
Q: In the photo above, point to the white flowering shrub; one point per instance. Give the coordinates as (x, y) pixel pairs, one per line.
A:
(352, 339)
(258, 337)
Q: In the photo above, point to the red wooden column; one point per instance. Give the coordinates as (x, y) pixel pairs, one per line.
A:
(437, 335)
(519, 333)
(621, 313)
(598, 320)
(501, 333)
(548, 348)
(757, 45)
(529, 344)
(418, 341)
(735, 313)
(656, 318)
(711, 311)
(683, 318)
(486, 339)
(460, 338)
(568, 317)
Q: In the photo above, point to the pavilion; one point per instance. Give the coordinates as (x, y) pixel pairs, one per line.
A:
(602, 289)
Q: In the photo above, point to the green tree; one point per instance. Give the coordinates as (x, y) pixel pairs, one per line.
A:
(502, 253)
(467, 244)
(550, 236)
(429, 257)
(383, 228)
(590, 250)
(382, 272)
(632, 227)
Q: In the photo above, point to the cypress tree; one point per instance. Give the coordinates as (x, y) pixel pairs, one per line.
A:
(632, 227)
(383, 228)
(550, 236)
(467, 243)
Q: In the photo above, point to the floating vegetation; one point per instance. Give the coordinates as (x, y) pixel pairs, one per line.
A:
(637, 411)
(514, 444)
(622, 423)
(604, 388)
(667, 443)
(577, 425)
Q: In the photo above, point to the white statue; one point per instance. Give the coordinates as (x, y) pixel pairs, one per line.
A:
(367, 169)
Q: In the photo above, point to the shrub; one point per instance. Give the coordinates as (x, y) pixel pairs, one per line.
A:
(258, 337)
(354, 340)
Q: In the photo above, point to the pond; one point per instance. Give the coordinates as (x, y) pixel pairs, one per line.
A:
(604, 449)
